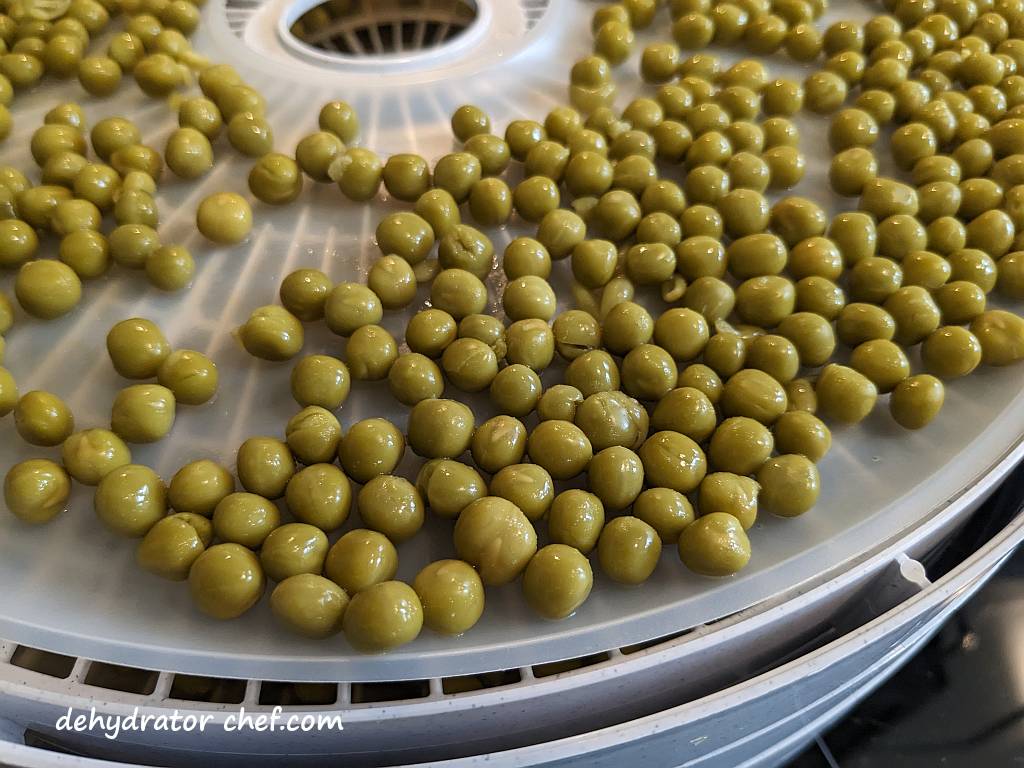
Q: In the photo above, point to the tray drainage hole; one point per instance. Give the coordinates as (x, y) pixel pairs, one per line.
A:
(209, 689)
(117, 678)
(297, 694)
(43, 662)
(377, 28)
(638, 647)
(368, 693)
(468, 683)
(569, 665)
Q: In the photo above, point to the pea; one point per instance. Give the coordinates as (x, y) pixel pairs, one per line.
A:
(199, 486)
(845, 394)
(754, 394)
(341, 119)
(36, 490)
(224, 218)
(776, 355)
(350, 306)
(171, 547)
(18, 242)
(430, 331)
(226, 580)
(628, 550)
(916, 401)
(1001, 335)
(272, 333)
(789, 485)
(460, 293)
(130, 500)
(439, 209)
(851, 170)
(765, 301)
(557, 581)
(452, 596)
(47, 289)
(1010, 275)
(358, 173)
(714, 545)
(309, 604)
(951, 351)
(701, 220)
(486, 328)
(883, 362)
(315, 154)
(440, 428)
(672, 460)
(201, 114)
(477, 527)
(960, 302)
(245, 518)
(275, 179)
(561, 448)
(915, 312)
(359, 559)
(874, 279)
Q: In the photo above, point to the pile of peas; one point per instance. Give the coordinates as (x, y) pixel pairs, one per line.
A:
(687, 421)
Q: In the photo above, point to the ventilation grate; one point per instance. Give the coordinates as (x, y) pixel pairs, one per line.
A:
(368, 28)
(534, 11)
(238, 12)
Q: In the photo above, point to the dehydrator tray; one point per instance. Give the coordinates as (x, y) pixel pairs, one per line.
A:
(73, 587)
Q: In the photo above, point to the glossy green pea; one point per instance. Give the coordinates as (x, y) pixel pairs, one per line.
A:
(313, 435)
(790, 485)
(224, 218)
(440, 428)
(576, 518)
(859, 322)
(915, 312)
(264, 466)
(883, 362)
(845, 394)
(480, 525)
(557, 581)
(628, 550)
(130, 500)
(714, 545)
(1001, 335)
(672, 460)
(36, 490)
(612, 418)
(916, 401)
(309, 604)
(960, 302)
(319, 495)
(766, 300)
(740, 445)
(775, 355)
(616, 476)
(951, 352)
(452, 596)
(754, 394)
(360, 559)
(272, 333)
(199, 486)
(724, 492)
(226, 580)
(171, 546)
(392, 506)
(245, 518)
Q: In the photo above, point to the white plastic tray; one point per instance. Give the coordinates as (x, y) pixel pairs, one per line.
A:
(73, 587)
